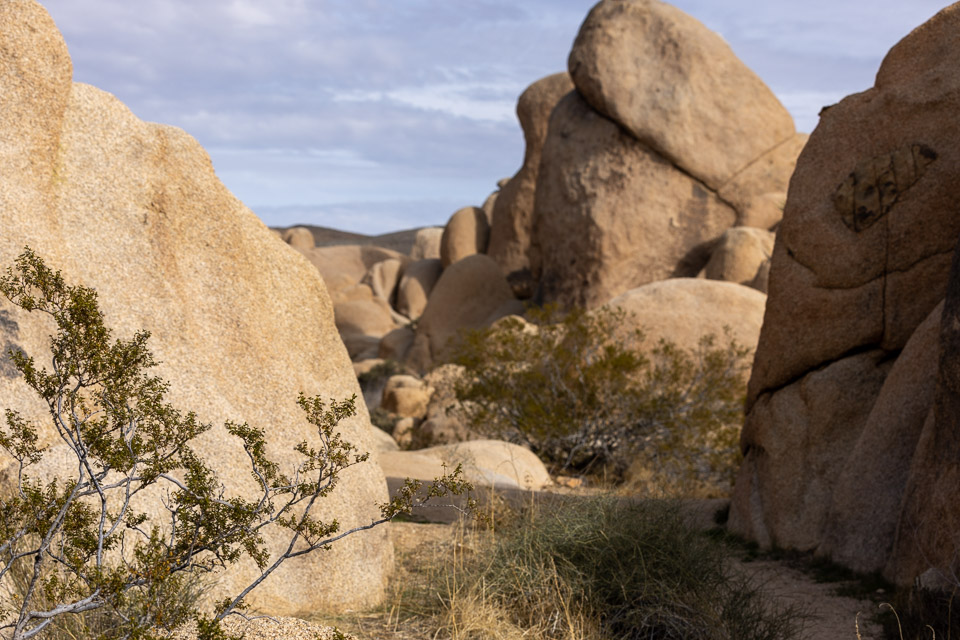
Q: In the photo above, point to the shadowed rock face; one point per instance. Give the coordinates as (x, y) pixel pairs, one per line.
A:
(512, 225)
(860, 265)
(240, 321)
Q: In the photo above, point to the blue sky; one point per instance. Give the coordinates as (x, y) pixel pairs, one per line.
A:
(378, 115)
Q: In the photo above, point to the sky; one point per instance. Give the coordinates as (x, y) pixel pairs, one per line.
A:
(378, 115)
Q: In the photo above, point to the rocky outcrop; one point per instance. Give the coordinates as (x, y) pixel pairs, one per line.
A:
(685, 310)
(613, 215)
(840, 424)
(426, 245)
(667, 141)
(239, 321)
(467, 232)
(415, 287)
(512, 224)
(677, 88)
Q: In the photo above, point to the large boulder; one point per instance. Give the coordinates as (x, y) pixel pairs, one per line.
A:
(470, 294)
(467, 232)
(611, 214)
(739, 256)
(512, 224)
(677, 87)
(239, 322)
(345, 265)
(487, 463)
(415, 286)
(685, 310)
(861, 262)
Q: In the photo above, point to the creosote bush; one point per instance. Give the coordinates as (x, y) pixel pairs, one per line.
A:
(74, 545)
(580, 391)
(601, 568)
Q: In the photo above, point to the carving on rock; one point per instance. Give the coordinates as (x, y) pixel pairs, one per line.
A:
(875, 185)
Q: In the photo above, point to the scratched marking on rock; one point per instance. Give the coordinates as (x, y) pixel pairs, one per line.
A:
(875, 185)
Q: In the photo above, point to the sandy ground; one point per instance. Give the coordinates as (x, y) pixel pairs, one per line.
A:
(831, 617)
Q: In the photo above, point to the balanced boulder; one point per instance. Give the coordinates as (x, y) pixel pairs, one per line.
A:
(676, 87)
(612, 215)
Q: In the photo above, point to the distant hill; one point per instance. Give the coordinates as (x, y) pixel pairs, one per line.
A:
(401, 241)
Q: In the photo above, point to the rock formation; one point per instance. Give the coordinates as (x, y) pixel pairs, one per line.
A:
(840, 430)
(467, 232)
(512, 224)
(239, 321)
(668, 140)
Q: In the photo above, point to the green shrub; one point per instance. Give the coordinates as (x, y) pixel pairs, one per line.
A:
(602, 568)
(579, 391)
(78, 546)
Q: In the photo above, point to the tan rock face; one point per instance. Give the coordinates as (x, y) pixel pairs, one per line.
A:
(300, 238)
(485, 463)
(860, 264)
(414, 289)
(467, 233)
(471, 293)
(739, 255)
(759, 190)
(406, 396)
(384, 277)
(426, 245)
(860, 532)
(876, 284)
(677, 87)
(683, 310)
(512, 223)
(135, 210)
(612, 215)
(346, 265)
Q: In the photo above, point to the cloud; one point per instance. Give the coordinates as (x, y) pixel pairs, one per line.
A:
(314, 102)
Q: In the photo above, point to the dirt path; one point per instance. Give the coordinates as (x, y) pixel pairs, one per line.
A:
(832, 617)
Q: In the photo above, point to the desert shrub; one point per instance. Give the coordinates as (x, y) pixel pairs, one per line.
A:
(76, 545)
(580, 391)
(601, 568)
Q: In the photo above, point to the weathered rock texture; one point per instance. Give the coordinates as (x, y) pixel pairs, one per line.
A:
(676, 87)
(839, 430)
(684, 310)
(667, 141)
(613, 215)
(239, 321)
(512, 224)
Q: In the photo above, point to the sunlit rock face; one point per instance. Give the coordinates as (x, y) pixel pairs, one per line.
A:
(240, 321)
